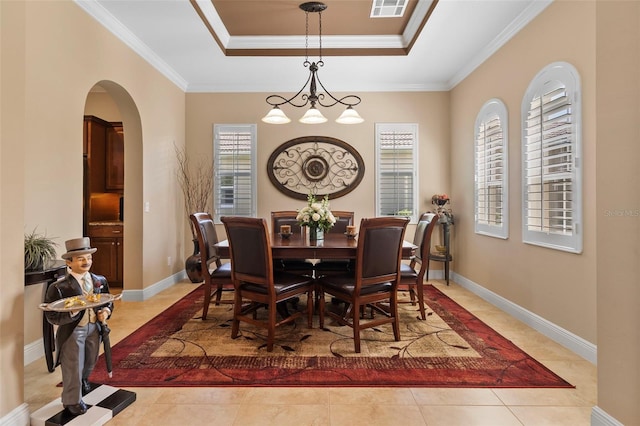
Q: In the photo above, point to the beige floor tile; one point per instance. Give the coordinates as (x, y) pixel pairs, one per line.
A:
(440, 415)
(371, 396)
(186, 414)
(455, 396)
(550, 397)
(281, 415)
(278, 395)
(553, 416)
(376, 415)
(201, 395)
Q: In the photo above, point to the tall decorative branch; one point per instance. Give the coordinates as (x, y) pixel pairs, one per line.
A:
(196, 182)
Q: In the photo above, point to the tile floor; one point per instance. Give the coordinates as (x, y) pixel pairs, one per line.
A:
(350, 406)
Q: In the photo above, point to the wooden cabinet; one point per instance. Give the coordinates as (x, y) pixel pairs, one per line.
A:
(115, 158)
(95, 145)
(108, 259)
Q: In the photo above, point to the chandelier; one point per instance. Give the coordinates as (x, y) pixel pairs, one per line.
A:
(313, 115)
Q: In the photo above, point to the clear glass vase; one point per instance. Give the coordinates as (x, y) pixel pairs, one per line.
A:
(316, 234)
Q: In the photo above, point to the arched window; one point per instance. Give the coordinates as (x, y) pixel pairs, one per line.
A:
(491, 177)
(551, 163)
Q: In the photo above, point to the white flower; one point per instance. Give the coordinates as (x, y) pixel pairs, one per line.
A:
(316, 214)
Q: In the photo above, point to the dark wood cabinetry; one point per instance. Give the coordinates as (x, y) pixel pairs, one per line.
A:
(107, 260)
(115, 158)
(103, 189)
(95, 145)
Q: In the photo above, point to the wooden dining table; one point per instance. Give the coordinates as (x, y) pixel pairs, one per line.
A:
(298, 246)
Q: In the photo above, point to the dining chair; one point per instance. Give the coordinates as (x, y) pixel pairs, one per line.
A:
(337, 266)
(215, 273)
(256, 284)
(376, 278)
(411, 278)
(288, 217)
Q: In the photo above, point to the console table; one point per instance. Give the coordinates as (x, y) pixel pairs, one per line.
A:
(49, 275)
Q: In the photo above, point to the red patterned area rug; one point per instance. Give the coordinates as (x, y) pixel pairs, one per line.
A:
(452, 348)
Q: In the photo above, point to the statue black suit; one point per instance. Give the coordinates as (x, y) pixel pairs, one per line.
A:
(78, 334)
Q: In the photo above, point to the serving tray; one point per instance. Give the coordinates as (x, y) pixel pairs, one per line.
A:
(79, 303)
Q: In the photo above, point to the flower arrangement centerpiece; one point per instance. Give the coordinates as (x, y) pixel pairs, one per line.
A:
(316, 216)
(440, 200)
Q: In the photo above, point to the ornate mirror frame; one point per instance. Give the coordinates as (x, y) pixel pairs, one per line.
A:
(318, 164)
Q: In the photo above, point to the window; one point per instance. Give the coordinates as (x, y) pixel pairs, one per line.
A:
(234, 170)
(552, 178)
(397, 170)
(491, 191)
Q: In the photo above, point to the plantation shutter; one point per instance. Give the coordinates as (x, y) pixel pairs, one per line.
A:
(234, 170)
(396, 154)
(490, 175)
(550, 159)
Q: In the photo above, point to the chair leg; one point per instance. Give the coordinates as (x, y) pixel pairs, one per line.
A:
(420, 291)
(218, 294)
(412, 294)
(271, 327)
(393, 309)
(310, 304)
(321, 306)
(355, 313)
(207, 300)
(237, 311)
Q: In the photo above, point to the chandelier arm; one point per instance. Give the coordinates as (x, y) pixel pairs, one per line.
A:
(277, 100)
(349, 100)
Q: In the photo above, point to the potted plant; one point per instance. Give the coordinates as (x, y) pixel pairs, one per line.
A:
(196, 183)
(39, 251)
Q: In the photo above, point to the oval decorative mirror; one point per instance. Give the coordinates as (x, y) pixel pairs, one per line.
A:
(318, 164)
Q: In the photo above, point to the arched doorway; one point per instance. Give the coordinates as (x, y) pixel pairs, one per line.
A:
(113, 183)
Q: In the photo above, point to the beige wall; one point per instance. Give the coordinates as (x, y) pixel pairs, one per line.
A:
(556, 285)
(618, 208)
(12, 152)
(429, 110)
(52, 54)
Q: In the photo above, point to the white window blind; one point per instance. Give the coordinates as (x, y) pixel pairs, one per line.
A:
(551, 152)
(491, 192)
(235, 183)
(397, 171)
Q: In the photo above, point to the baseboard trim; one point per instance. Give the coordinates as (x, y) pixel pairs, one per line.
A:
(152, 290)
(19, 416)
(599, 417)
(33, 351)
(576, 344)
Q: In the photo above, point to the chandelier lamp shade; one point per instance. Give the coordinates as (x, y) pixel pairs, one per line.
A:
(313, 98)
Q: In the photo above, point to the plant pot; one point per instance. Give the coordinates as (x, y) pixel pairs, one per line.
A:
(193, 264)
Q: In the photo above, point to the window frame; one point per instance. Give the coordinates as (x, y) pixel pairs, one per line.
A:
(412, 171)
(492, 108)
(220, 173)
(554, 77)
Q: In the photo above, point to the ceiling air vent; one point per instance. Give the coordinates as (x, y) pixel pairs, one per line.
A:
(388, 8)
